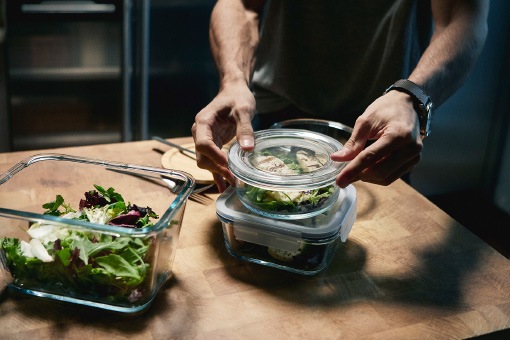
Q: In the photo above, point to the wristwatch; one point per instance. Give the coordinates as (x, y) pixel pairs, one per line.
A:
(422, 103)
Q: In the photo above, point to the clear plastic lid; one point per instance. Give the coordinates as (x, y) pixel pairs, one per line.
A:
(287, 159)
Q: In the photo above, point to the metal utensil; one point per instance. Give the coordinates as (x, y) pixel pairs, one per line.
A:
(171, 184)
(196, 195)
(164, 141)
(204, 188)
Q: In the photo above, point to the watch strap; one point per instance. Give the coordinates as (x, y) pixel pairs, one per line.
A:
(412, 89)
(423, 103)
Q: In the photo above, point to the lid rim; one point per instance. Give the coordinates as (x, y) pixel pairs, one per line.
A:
(246, 172)
(340, 214)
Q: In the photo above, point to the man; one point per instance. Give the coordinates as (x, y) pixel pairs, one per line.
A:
(334, 59)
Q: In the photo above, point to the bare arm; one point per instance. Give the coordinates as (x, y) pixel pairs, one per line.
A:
(460, 30)
(234, 36)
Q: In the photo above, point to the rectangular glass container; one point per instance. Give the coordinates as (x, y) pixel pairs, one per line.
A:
(303, 246)
(146, 253)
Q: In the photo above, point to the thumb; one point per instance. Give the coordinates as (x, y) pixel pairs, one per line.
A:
(244, 134)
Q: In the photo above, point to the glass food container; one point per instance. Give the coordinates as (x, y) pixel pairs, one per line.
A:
(106, 236)
(303, 246)
(288, 175)
(330, 128)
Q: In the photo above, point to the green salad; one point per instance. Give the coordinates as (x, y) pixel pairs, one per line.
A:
(74, 261)
(295, 161)
(290, 201)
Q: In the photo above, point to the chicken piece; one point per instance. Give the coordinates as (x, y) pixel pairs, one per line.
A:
(271, 163)
(288, 196)
(308, 161)
(283, 255)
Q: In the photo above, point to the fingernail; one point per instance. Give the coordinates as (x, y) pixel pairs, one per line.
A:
(339, 154)
(246, 143)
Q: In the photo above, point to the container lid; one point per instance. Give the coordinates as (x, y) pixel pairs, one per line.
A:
(338, 219)
(287, 159)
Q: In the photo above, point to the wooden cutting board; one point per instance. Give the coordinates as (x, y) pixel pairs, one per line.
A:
(179, 160)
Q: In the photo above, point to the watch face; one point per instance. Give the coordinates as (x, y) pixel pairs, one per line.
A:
(425, 117)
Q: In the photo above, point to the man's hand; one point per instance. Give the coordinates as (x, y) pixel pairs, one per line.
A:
(392, 123)
(227, 116)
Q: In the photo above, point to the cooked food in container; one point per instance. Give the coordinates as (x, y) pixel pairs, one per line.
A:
(303, 246)
(289, 174)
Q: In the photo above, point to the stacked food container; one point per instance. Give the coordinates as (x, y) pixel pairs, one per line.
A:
(286, 210)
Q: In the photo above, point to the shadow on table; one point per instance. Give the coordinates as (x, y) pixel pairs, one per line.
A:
(60, 318)
(436, 280)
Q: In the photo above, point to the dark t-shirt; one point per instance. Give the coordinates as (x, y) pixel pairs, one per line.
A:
(332, 58)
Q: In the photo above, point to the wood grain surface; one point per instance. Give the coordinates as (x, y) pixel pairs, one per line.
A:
(185, 161)
(407, 271)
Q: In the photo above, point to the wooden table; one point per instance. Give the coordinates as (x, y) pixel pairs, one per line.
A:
(407, 270)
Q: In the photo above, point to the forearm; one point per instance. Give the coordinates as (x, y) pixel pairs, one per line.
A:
(459, 35)
(234, 35)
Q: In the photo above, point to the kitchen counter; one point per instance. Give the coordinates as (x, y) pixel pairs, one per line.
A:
(407, 271)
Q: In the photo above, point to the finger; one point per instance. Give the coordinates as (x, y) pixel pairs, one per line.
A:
(354, 145)
(383, 147)
(207, 148)
(215, 166)
(363, 160)
(220, 182)
(385, 167)
(210, 157)
(207, 151)
(244, 132)
(221, 176)
(393, 176)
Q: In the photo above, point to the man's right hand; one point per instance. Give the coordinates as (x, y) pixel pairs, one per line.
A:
(227, 116)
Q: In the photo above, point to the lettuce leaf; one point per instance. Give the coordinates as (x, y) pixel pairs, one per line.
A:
(86, 262)
(307, 200)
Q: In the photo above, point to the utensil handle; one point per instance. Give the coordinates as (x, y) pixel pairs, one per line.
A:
(164, 141)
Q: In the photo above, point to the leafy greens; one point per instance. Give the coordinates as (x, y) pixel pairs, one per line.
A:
(95, 264)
